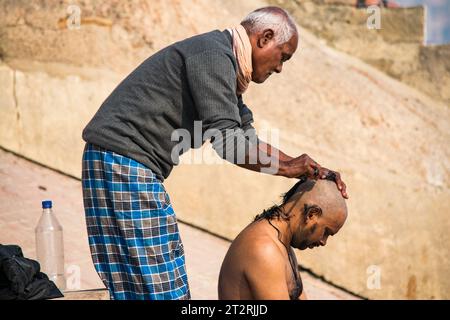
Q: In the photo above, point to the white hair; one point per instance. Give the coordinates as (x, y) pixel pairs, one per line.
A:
(273, 18)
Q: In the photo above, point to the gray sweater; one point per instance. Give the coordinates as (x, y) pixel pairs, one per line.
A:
(191, 80)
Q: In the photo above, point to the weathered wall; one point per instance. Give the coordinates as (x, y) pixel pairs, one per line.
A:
(389, 141)
(42, 115)
(396, 48)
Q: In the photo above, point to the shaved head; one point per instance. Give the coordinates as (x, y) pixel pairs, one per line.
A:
(314, 210)
(324, 194)
(317, 210)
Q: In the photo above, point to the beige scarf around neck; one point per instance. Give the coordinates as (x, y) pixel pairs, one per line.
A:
(242, 49)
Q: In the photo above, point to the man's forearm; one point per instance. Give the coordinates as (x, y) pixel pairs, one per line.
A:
(278, 160)
(269, 149)
(272, 161)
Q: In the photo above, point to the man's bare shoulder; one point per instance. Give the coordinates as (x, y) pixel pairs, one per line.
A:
(260, 247)
(253, 263)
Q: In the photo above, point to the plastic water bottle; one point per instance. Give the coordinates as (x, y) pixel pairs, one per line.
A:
(50, 246)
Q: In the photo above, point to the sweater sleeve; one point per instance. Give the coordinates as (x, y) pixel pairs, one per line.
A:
(212, 81)
(246, 115)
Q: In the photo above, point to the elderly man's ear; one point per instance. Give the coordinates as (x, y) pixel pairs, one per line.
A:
(265, 38)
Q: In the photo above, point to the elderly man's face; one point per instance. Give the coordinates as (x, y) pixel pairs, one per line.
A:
(268, 57)
(317, 228)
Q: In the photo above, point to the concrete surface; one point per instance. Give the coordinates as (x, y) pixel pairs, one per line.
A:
(23, 185)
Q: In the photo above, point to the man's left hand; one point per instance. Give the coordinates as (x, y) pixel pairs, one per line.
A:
(336, 177)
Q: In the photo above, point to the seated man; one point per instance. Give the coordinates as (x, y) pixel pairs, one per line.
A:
(261, 264)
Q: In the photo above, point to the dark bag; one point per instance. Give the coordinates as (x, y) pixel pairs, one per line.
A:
(21, 279)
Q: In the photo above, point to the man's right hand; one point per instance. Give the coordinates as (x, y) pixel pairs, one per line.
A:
(290, 167)
(303, 166)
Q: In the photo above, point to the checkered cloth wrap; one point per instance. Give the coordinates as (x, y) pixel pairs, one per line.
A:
(132, 229)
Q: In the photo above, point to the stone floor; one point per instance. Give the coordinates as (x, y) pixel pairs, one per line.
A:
(24, 184)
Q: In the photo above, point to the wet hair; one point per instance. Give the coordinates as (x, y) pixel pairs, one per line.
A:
(275, 211)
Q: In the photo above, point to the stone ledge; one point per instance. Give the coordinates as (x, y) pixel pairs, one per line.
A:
(93, 294)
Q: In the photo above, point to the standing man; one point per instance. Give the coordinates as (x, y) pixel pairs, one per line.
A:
(132, 144)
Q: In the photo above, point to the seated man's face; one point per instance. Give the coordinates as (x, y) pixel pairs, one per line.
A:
(318, 226)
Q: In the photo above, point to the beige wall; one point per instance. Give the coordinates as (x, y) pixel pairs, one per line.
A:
(389, 141)
(42, 116)
(396, 48)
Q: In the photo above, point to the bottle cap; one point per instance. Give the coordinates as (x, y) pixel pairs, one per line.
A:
(46, 204)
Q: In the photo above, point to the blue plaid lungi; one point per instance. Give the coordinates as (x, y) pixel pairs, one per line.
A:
(132, 229)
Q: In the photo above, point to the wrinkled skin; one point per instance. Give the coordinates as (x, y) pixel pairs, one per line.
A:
(268, 56)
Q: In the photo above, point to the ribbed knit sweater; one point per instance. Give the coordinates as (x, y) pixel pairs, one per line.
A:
(191, 80)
